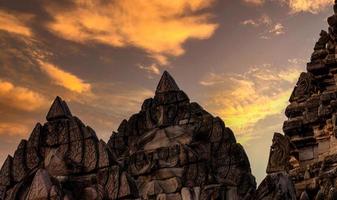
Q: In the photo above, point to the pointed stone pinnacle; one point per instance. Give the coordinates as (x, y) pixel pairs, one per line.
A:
(59, 109)
(167, 83)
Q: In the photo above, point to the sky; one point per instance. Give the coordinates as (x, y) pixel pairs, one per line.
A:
(239, 59)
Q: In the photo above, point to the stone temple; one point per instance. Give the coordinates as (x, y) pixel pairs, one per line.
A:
(307, 153)
(171, 149)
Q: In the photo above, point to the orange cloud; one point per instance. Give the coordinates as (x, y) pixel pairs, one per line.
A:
(20, 97)
(244, 99)
(13, 129)
(313, 6)
(160, 27)
(14, 23)
(64, 79)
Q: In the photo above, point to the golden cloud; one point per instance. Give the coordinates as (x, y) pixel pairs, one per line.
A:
(313, 6)
(13, 129)
(20, 97)
(159, 27)
(244, 99)
(14, 23)
(64, 79)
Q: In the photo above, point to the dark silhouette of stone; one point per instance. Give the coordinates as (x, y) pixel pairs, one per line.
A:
(276, 186)
(167, 84)
(59, 109)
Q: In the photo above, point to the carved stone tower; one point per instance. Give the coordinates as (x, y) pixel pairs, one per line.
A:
(308, 151)
(171, 149)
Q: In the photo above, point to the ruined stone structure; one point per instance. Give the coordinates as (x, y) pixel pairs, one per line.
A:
(171, 150)
(62, 159)
(307, 154)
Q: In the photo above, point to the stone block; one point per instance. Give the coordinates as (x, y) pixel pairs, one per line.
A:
(306, 153)
(40, 186)
(103, 158)
(90, 155)
(32, 157)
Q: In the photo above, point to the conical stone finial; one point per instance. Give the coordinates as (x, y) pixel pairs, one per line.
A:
(167, 83)
(59, 109)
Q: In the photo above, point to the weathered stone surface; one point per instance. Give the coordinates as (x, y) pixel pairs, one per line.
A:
(304, 196)
(304, 88)
(3, 192)
(276, 186)
(5, 172)
(190, 193)
(166, 173)
(174, 196)
(35, 137)
(76, 152)
(59, 109)
(40, 186)
(279, 154)
(127, 187)
(167, 84)
(32, 157)
(55, 163)
(103, 152)
(90, 155)
(111, 185)
(55, 193)
(19, 170)
(219, 192)
(90, 193)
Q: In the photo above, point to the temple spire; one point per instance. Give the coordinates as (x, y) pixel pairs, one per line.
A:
(59, 109)
(167, 83)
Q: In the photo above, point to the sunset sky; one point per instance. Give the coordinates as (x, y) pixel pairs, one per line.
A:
(239, 59)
